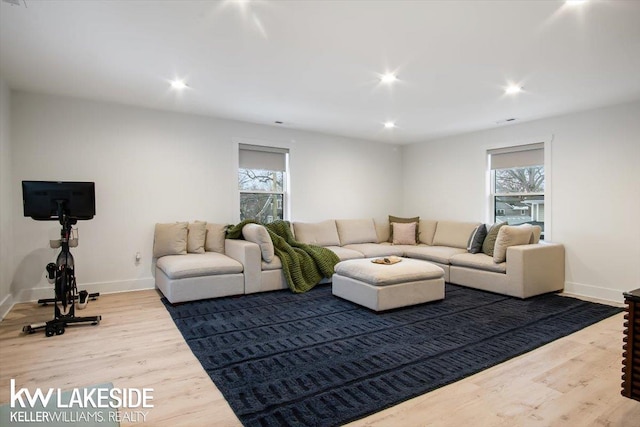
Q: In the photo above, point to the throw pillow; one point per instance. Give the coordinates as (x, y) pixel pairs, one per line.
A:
(196, 235)
(214, 242)
(404, 233)
(510, 235)
(477, 239)
(259, 235)
(536, 232)
(396, 219)
(170, 239)
(490, 240)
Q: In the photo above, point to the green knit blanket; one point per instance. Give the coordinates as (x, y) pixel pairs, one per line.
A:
(303, 265)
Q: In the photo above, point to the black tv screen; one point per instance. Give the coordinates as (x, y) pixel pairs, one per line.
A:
(43, 199)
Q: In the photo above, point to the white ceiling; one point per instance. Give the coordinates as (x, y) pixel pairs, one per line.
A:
(315, 65)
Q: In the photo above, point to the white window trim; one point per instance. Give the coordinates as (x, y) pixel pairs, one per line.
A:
(548, 182)
(235, 161)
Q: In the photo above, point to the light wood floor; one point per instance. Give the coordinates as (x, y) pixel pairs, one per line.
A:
(574, 381)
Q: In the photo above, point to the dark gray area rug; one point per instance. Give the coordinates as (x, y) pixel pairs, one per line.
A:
(316, 360)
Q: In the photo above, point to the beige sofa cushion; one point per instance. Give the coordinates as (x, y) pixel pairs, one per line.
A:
(322, 233)
(214, 241)
(196, 235)
(480, 261)
(373, 250)
(536, 230)
(352, 231)
(439, 254)
(196, 265)
(259, 235)
(404, 234)
(383, 231)
(454, 234)
(170, 239)
(274, 264)
(427, 231)
(345, 253)
(510, 235)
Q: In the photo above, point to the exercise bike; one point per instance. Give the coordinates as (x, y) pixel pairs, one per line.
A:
(62, 273)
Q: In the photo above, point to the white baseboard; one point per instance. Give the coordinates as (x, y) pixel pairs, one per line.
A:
(35, 294)
(606, 294)
(6, 305)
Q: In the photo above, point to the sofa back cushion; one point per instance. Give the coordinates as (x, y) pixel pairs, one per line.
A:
(427, 231)
(214, 241)
(536, 230)
(170, 239)
(510, 235)
(352, 231)
(322, 233)
(454, 234)
(259, 235)
(196, 235)
(383, 231)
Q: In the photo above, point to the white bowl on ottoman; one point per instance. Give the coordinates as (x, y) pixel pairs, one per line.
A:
(384, 287)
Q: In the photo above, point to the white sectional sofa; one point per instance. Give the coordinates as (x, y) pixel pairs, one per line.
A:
(195, 262)
(529, 269)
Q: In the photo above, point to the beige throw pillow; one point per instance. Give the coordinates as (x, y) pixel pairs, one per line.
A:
(404, 233)
(259, 235)
(196, 235)
(536, 231)
(510, 235)
(214, 242)
(170, 239)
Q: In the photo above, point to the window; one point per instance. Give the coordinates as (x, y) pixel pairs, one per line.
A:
(262, 182)
(518, 184)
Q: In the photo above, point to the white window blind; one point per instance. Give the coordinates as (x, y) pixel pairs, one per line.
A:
(263, 158)
(517, 157)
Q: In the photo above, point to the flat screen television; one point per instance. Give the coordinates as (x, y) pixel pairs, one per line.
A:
(47, 200)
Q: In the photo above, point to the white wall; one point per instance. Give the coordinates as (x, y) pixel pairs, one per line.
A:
(152, 166)
(6, 238)
(595, 189)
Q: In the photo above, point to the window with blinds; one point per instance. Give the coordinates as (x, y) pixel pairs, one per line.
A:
(262, 182)
(518, 184)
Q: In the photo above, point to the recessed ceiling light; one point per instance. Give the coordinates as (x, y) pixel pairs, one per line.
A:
(178, 84)
(389, 125)
(388, 78)
(575, 2)
(513, 89)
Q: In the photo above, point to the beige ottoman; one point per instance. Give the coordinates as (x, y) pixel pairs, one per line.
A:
(383, 287)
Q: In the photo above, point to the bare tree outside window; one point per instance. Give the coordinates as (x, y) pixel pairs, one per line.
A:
(520, 180)
(261, 194)
(518, 195)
